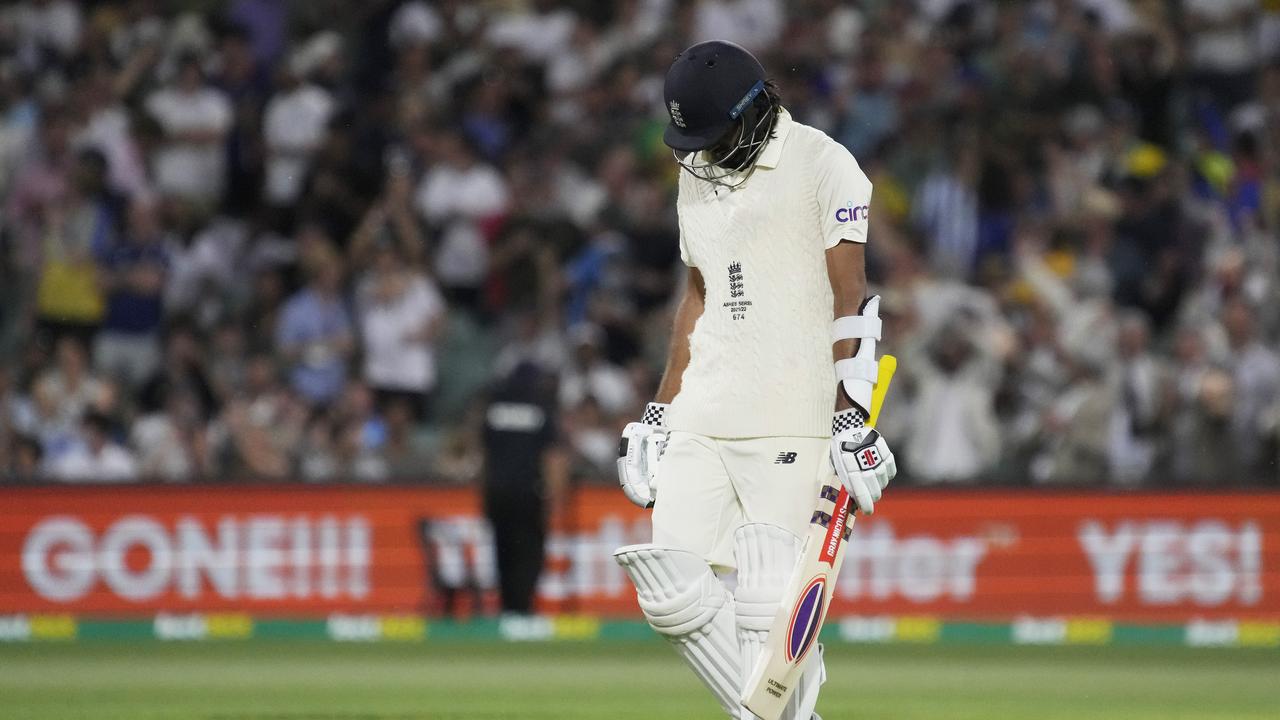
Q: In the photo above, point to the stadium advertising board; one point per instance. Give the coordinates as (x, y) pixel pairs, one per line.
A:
(308, 551)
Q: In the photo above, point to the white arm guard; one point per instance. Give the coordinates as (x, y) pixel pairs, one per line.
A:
(857, 375)
(859, 455)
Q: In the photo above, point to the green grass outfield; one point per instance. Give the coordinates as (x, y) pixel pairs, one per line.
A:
(299, 680)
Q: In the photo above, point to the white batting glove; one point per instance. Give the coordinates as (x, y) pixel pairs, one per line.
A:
(861, 459)
(638, 453)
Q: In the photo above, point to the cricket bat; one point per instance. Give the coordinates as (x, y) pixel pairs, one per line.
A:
(804, 606)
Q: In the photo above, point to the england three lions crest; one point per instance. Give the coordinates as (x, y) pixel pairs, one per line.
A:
(676, 117)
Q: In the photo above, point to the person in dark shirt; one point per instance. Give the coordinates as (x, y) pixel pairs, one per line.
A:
(133, 273)
(524, 478)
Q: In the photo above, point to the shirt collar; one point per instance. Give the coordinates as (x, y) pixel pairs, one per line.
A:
(772, 151)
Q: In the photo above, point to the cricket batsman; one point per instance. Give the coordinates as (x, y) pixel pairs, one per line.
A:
(764, 387)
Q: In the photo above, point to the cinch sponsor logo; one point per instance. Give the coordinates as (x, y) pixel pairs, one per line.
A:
(851, 212)
(255, 557)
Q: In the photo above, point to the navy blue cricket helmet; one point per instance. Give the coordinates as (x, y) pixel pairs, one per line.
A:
(708, 88)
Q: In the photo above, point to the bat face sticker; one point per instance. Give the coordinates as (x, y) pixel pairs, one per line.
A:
(806, 619)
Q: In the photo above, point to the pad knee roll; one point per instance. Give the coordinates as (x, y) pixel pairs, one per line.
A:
(676, 590)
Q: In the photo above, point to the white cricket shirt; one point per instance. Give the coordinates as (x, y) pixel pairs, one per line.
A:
(760, 356)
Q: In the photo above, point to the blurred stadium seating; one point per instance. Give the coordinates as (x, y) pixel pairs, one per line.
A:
(236, 235)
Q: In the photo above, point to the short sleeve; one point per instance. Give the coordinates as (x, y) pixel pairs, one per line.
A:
(684, 251)
(844, 197)
(684, 245)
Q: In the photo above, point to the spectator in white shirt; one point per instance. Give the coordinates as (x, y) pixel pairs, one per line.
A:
(294, 125)
(954, 372)
(107, 127)
(593, 376)
(195, 117)
(463, 197)
(754, 24)
(1145, 394)
(538, 34)
(97, 458)
(1255, 370)
(401, 314)
(168, 438)
(40, 27)
(414, 23)
(1224, 51)
(69, 387)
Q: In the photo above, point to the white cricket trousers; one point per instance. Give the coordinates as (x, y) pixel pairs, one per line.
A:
(707, 487)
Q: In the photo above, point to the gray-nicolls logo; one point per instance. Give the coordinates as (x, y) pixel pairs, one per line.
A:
(735, 280)
(676, 117)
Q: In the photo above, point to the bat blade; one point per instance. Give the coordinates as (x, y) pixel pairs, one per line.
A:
(795, 628)
(807, 599)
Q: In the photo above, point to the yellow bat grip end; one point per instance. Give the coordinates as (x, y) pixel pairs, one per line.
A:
(888, 365)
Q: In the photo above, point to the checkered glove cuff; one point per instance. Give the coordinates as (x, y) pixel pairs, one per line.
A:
(846, 420)
(655, 414)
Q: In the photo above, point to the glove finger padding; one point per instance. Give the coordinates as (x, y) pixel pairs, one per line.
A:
(639, 448)
(849, 475)
(864, 465)
(890, 471)
(862, 495)
(654, 447)
(634, 492)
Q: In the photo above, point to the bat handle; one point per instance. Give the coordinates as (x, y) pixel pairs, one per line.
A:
(888, 365)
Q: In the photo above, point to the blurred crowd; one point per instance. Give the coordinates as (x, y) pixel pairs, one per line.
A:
(302, 240)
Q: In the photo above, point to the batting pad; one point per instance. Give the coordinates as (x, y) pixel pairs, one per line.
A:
(684, 602)
(766, 556)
